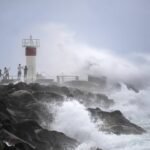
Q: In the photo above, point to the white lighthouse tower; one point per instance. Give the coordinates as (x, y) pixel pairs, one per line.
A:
(31, 46)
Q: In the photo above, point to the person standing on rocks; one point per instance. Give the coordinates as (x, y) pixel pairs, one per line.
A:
(6, 74)
(25, 73)
(19, 71)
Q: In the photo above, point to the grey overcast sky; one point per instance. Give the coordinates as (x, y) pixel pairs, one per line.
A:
(121, 26)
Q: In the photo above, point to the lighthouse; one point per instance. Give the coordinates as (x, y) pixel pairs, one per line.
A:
(31, 46)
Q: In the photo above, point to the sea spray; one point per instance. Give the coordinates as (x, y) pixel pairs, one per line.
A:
(73, 119)
(135, 106)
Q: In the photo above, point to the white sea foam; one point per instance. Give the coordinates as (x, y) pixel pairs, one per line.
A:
(135, 106)
(73, 119)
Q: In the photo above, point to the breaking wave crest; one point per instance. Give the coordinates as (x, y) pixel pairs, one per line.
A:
(73, 119)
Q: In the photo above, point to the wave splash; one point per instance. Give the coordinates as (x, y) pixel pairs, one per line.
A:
(73, 119)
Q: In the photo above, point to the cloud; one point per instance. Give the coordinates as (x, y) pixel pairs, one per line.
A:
(62, 52)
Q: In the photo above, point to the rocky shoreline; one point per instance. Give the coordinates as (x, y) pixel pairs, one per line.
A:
(21, 112)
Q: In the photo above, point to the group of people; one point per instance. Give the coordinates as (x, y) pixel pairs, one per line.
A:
(5, 74)
(25, 68)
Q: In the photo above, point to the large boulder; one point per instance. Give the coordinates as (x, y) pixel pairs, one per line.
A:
(31, 132)
(114, 122)
(20, 109)
(20, 99)
(56, 140)
(20, 105)
(10, 141)
(28, 135)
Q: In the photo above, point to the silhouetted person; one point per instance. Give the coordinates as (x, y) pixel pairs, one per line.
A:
(6, 73)
(25, 72)
(19, 71)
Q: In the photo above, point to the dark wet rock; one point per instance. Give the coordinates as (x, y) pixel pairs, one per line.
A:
(42, 138)
(48, 96)
(23, 95)
(35, 87)
(60, 90)
(29, 127)
(23, 108)
(20, 107)
(114, 122)
(5, 117)
(23, 146)
(58, 93)
(29, 135)
(57, 140)
(104, 100)
(11, 140)
(92, 99)
(19, 86)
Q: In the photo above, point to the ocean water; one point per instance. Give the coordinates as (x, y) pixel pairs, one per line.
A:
(73, 119)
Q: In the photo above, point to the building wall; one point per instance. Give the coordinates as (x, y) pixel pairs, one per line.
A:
(31, 64)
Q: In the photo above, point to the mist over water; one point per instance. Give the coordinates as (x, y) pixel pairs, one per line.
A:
(134, 106)
(73, 119)
(63, 52)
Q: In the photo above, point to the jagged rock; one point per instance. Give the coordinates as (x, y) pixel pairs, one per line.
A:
(29, 135)
(12, 140)
(43, 139)
(20, 99)
(29, 127)
(19, 120)
(57, 93)
(22, 95)
(48, 96)
(22, 109)
(91, 99)
(114, 122)
(57, 141)
(20, 104)
(19, 86)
